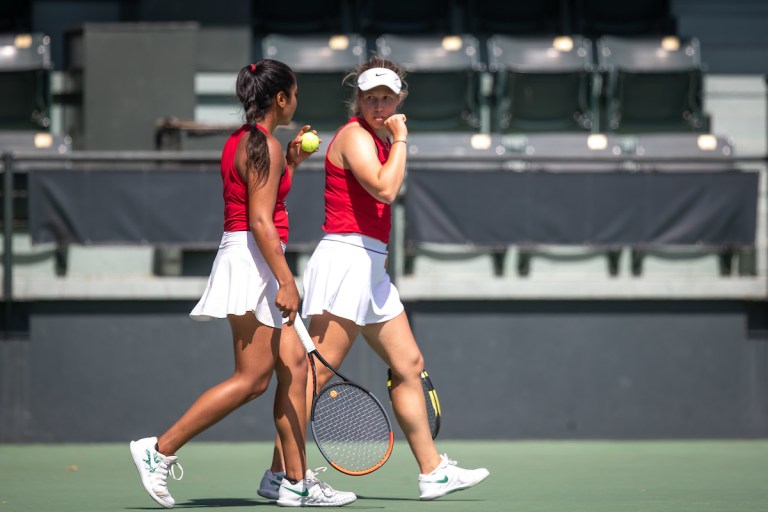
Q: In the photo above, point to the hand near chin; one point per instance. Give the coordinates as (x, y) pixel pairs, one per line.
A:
(395, 124)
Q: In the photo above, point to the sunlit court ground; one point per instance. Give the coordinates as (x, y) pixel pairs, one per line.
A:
(530, 476)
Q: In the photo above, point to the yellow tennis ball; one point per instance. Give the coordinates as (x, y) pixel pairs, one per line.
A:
(309, 142)
(334, 393)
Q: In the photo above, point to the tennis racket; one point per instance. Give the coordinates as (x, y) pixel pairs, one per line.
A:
(350, 427)
(430, 397)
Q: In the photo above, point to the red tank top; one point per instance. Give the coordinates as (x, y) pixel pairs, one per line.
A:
(235, 192)
(349, 208)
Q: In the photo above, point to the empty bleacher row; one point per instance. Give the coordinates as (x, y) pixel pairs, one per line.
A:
(557, 208)
(527, 85)
(556, 86)
(509, 43)
(531, 84)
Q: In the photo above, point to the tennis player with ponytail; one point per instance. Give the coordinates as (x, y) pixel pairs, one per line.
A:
(252, 286)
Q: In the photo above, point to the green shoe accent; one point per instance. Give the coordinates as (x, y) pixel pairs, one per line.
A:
(303, 494)
(150, 458)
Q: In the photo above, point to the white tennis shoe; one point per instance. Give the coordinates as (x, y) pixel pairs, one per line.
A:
(153, 468)
(447, 478)
(311, 492)
(269, 487)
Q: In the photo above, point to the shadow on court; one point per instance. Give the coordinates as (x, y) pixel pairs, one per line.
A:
(223, 502)
(526, 476)
(212, 503)
(449, 497)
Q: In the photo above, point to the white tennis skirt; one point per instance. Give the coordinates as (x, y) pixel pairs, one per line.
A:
(240, 281)
(347, 277)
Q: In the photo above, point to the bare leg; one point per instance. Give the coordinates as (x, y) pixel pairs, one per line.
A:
(333, 337)
(255, 348)
(393, 341)
(277, 456)
(290, 402)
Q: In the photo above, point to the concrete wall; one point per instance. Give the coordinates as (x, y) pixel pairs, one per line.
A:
(103, 370)
(110, 371)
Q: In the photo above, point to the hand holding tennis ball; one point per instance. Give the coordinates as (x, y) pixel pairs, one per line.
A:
(309, 142)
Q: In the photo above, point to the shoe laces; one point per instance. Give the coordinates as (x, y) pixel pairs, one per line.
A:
(447, 461)
(312, 473)
(312, 478)
(169, 465)
(174, 465)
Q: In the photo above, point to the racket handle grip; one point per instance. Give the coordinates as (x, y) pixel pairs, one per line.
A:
(304, 337)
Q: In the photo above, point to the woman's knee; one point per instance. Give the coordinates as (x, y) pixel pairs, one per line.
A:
(293, 373)
(292, 361)
(408, 368)
(251, 388)
(324, 375)
(291, 364)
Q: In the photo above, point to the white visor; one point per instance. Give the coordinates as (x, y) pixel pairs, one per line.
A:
(375, 77)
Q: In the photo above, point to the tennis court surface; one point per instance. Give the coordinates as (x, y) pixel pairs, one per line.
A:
(526, 476)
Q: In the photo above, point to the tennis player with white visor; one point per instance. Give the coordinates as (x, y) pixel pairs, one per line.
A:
(347, 290)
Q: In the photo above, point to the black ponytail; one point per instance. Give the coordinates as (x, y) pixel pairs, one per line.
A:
(257, 86)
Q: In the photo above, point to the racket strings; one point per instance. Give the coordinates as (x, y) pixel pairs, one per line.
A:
(351, 428)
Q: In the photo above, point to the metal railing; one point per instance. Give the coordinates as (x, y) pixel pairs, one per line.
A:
(512, 160)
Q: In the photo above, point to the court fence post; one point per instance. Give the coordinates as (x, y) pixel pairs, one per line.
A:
(7, 242)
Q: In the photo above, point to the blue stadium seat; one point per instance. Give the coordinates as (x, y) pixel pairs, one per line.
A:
(320, 63)
(542, 84)
(652, 84)
(25, 89)
(443, 80)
